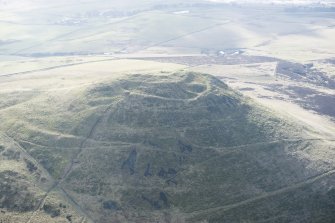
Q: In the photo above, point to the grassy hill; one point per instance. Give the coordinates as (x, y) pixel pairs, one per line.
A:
(156, 147)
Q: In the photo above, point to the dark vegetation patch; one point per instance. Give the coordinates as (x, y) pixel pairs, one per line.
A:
(309, 98)
(302, 92)
(30, 166)
(110, 205)
(129, 163)
(169, 173)
(11, 154)
(247, 89)
(148, 171)
(14, 193)
(324, 104)
(69, 217)
(304, 73)
(52, 210)
(197, 88)
(184, 148)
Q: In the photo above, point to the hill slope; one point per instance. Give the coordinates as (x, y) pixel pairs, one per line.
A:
(179, 147)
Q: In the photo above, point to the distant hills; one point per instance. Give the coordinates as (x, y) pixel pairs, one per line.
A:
(279, 2)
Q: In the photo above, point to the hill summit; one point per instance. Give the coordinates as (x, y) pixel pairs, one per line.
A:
(181, 147)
